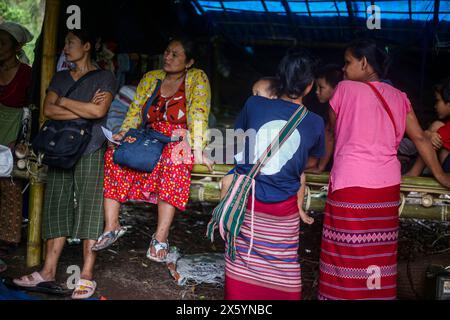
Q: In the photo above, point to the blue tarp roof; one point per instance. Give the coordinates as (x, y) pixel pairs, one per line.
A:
(402, 21)
(422, 10)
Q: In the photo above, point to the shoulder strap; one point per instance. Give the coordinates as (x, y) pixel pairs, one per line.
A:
(149, 102)
(278, 141)
(80, 81)
(384, 103)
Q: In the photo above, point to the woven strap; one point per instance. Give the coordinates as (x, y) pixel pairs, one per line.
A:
(148, 104)
(80, 81)
(384, 104)
(278, 141)
(86, 284)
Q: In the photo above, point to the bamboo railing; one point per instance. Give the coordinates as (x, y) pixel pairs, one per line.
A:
(422, 198)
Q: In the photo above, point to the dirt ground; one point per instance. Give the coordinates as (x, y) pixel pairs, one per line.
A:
(123, 272)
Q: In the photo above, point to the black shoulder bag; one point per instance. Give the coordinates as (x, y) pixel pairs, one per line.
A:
(63, 142)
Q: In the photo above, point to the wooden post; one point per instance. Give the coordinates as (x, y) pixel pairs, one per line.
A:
(37, 186)
(49, 30)
(35, 222)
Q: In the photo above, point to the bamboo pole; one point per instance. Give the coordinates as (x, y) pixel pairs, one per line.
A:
(219, 168)
(409, 184)
(37, 186)
(35, 222)
(49, 31)
(210, 192)
(436, 210)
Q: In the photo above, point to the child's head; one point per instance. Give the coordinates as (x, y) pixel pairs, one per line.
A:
(442, 94)
(295, 74)
(327, 78)
(265, 87)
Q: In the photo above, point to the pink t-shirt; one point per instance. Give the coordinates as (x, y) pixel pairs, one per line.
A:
(366, 146)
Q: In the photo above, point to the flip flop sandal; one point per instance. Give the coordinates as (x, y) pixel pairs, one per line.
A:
(29, 281)
(158, 247)
(86, 286)
(47, 287)
(108, 238)
(51, 287)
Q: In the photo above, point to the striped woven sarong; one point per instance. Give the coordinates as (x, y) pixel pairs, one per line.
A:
(271, 271)
(358, 259)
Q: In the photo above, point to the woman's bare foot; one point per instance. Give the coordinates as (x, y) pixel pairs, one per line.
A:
(158, 250)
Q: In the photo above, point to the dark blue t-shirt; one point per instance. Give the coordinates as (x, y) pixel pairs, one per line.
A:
(279, 179)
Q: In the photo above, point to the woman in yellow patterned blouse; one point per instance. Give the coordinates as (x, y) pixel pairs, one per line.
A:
(182, 102)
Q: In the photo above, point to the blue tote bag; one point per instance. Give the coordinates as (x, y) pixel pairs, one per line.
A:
(141, 148)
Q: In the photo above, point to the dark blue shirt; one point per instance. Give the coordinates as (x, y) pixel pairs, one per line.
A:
(280, 177)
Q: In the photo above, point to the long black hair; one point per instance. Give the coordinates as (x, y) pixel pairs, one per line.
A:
(376, 56)
(443, 88)
(295, 73)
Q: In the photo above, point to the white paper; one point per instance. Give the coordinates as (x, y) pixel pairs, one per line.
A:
(108, 134)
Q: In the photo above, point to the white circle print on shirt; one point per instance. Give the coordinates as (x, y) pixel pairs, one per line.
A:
(264, 137)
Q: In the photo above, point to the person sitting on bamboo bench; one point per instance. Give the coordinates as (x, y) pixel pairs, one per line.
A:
(181, 103)
(439, 131)
(61, 217)
(15, 83)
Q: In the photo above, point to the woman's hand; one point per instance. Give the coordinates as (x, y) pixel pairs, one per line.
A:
(99, 97)
(305, 217)
(207, 162)
(436, 140)
(443, 179)
(201, 158)
(58, 100)
(119, 136)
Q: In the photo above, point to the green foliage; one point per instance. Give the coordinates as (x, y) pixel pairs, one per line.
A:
(29, 13)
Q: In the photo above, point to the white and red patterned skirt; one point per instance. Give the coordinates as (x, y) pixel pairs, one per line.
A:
(169, 181)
